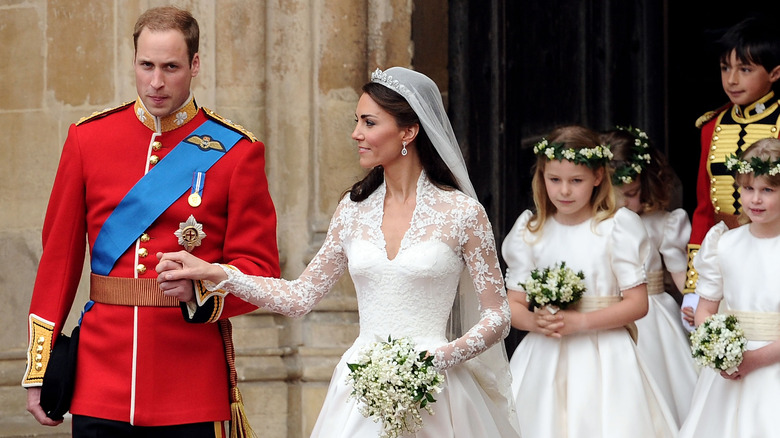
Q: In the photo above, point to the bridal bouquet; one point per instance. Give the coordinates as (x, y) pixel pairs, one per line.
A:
(392, 382)
(555, 287)
(719, 343)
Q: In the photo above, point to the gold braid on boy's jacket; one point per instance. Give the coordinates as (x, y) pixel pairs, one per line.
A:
(728, 130)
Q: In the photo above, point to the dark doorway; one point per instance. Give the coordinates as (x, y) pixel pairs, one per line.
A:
(519, 68)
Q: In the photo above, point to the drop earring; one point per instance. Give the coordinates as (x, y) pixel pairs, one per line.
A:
(404, 151)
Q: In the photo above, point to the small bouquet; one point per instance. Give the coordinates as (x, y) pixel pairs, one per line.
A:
(554, 287)
(392, 382)
(719, 343)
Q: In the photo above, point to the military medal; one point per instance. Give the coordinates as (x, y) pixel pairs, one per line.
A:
(194, 200)
(198, 180)
(190, 233)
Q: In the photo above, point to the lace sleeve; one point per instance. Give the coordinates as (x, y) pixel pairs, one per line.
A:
(292, 297)
(479, 252)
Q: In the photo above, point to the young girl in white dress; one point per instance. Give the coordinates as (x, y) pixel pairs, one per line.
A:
(406, 232)
(643, 183)
(577, 373)
(738, 273)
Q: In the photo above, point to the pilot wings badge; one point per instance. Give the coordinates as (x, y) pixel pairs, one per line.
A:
(205, 143)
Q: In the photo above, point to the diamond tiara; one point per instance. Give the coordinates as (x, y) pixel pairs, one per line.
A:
(383, 78)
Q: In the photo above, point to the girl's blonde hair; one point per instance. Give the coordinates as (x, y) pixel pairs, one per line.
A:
(766, 149)
(602, 200)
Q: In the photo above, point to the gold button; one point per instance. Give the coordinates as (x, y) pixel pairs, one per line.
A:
(145, 237)
(774, 129)
(143, 252)
(712, 158)
(140, 268)
(717, 209)
(154, 159)
(38, 366)
(714, 138)
(41, 340)
(39, 348)
(38, 357)
(713, 147)
(156, 146)
(717, 128)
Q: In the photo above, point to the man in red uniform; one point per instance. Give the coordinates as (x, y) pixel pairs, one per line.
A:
(150, 176)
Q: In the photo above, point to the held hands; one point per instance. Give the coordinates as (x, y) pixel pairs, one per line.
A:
(750, 361)
(177, 270)
(558, 325)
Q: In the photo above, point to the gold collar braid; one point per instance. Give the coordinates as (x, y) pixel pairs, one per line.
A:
(176, 119)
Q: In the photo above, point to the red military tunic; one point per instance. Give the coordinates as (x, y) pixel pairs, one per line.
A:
(729, 130)
(144, 364)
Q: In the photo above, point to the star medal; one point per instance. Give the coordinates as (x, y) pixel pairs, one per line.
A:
(198, 181)
(190, 233)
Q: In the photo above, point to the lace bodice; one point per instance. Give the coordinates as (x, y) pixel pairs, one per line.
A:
(412, 294)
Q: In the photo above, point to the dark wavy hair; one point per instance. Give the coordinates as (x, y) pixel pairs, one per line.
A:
(433, 165)
(657, 176)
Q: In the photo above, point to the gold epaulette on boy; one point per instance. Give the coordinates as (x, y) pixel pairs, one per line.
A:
(691, 276)
(234, 126)
(103, 113)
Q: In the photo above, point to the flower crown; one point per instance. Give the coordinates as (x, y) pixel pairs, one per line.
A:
(757, 166)
(640, 158)
(383, 78)
(591, 157)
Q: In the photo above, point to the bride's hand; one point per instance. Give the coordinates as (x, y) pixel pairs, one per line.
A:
(182, 265)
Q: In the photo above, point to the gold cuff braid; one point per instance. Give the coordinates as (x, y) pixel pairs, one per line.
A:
(38, 351)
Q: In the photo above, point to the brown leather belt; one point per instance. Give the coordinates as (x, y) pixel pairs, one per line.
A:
(123, 291)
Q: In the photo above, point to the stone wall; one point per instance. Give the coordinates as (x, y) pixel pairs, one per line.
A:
(288, 70)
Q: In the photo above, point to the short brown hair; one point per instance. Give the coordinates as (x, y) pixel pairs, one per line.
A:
(169, 18)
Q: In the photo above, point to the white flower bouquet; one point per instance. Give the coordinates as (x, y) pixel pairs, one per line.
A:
(718, 343)
(392, 383)
(554, 287)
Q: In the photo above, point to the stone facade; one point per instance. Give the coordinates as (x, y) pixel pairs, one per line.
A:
(288, 70)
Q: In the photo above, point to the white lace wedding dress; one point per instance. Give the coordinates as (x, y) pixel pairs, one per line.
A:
(410, 295)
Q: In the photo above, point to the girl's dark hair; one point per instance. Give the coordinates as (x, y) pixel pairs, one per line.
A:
(395, 105)
(755, 40)
(657, 176)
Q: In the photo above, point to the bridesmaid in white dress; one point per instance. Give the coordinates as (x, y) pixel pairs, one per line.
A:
(738, 273)
(578, 373)
(643, 183)
(406, 233)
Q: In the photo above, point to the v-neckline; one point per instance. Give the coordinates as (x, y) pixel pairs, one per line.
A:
(411, 221)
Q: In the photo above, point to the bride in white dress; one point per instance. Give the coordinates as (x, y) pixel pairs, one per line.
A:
(405, 232)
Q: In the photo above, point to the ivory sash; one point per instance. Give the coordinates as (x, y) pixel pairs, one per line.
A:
(655, 282)
(758, 326)
(591, 304)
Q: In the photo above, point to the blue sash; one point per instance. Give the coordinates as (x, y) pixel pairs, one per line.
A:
(158, 189)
